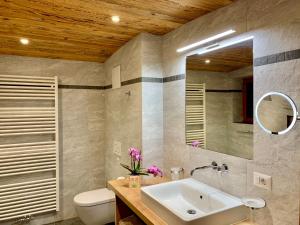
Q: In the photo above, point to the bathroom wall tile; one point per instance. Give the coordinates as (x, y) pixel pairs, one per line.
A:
(151, 55)
(152, 123)
(282, 77)
(83, 144)
(68, 71)
(123, 112)
(129, 57)
(135, 120)
(81, 121)
(277, 27)
(123, 124)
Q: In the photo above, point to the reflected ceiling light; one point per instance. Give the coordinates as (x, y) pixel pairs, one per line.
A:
(115, 19)
(206, 50)
(24, 41)
(207, 61)
(202, 42)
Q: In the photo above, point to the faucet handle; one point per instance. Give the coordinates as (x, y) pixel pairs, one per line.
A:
(214, 165)
(223, 169)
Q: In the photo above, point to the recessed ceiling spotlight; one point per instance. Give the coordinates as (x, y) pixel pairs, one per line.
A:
(24, 41)
(207, 61)
(115, 19)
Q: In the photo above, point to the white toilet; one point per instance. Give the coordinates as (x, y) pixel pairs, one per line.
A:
(96, 207)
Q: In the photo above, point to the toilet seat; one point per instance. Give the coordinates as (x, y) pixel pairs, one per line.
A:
(95, 197)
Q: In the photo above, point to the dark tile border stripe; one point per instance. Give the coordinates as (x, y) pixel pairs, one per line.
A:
(223, 91)
(141, 80)
(152, 79)
(65, 86)
(107, 87)
(127, 82)
(276, 58)
(265, 60)
(174, 78)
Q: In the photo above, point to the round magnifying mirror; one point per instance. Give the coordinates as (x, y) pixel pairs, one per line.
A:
(276, 113)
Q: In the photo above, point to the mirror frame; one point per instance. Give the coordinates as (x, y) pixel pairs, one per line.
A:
(293, 105)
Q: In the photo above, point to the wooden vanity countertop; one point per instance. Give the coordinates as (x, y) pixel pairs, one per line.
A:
(132, 198)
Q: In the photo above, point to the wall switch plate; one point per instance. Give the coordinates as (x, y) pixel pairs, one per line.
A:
(262, 180)
(117, 149)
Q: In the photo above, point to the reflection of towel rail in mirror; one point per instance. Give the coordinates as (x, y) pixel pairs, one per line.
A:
(195, 114)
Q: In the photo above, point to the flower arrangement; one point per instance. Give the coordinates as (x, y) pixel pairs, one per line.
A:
(135, 167)
(196, 144)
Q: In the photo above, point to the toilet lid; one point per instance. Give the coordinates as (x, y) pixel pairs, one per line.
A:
(95, 197)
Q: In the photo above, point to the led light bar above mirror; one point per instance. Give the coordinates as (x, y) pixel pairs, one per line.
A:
(207, 40)
(223, 45)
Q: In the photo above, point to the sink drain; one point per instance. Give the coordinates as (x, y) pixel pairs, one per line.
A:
(191, 211)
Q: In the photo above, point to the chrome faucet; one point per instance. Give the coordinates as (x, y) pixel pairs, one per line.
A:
(222, 169)
(213, 165)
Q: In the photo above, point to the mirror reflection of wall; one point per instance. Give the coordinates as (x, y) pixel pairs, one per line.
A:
(275, 113)
(221, 118)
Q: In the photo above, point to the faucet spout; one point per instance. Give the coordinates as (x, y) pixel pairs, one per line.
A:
(213, 165)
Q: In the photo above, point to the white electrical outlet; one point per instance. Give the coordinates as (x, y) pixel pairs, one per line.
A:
(262, 180)
(117, 149)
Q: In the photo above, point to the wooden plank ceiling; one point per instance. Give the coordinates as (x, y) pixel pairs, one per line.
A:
(82, 29)
(223, 60)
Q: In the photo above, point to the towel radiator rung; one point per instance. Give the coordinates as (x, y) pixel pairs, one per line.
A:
(11, 207)
(16, 148)
(22, 87)
(33, 150)
(30, 196)
(21, 80)
(34, 188)
(27, 183)
(6, 158)
(28, 172)
(26, 193)
(28, 200)
(27, 127)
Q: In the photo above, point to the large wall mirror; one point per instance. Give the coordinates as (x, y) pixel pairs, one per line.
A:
(219, 100)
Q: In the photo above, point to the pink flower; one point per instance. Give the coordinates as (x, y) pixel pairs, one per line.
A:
(135, 154)
(195, 144)
(155, 171)
(138, 157)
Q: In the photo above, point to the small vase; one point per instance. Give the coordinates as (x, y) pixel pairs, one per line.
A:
(134, 181)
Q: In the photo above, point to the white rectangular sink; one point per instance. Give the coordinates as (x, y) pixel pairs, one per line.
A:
(190, 202)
